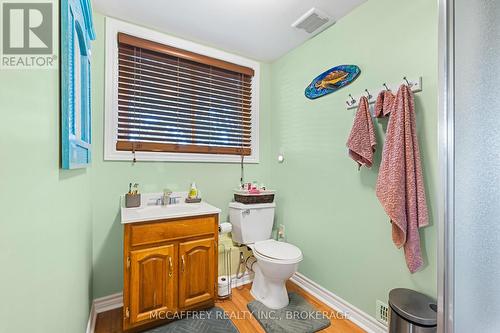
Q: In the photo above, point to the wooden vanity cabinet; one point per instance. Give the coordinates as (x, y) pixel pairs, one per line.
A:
(169, 266)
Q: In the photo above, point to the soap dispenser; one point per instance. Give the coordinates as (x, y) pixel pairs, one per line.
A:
(193, 191)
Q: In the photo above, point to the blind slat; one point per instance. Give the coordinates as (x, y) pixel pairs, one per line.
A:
(162, 59)
(202, 100)
(175, 81)
(182, 95)
(181, 128)
(139, 81)
(145, 135)
(183, 105)
(174, 110)
(173, 113)
(146, 120)
(151, 85)
(166, 67)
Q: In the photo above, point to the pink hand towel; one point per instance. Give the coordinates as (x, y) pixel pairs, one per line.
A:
(400, 184)
(361, 142)
(383, 104)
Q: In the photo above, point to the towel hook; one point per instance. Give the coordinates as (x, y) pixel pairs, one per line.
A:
(408, 83)
(386, 88)
(351, 102)
(368, 93)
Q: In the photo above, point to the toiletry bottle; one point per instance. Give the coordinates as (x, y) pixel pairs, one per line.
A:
(193, 191)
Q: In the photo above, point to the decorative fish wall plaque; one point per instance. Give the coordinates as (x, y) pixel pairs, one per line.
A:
(332, 80)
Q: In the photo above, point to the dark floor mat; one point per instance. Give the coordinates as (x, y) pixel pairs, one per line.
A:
(298, 317)
(209, 321)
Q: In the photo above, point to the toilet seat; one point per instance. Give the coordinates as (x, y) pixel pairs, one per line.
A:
(278, 252)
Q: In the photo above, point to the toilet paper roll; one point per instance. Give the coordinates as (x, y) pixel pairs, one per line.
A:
(223, 280)
(223, 286)
(225, 228)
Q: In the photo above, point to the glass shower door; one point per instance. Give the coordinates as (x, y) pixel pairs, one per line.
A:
(476, 146)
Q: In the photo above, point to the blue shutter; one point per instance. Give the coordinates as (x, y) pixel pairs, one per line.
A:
(77, 32)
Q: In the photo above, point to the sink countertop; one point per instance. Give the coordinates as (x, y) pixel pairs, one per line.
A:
(149, 211)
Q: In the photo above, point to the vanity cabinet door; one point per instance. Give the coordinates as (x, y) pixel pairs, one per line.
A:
(196, 272)
(152, 283)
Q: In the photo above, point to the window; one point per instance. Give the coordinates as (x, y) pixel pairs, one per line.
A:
(172, 103)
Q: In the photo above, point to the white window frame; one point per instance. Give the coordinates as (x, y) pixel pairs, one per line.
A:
(113, 27)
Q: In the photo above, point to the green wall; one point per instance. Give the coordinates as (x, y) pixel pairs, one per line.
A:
(45, 227)
(329, 207)
(110, 178)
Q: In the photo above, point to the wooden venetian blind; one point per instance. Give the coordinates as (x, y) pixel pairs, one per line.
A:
(171, 100)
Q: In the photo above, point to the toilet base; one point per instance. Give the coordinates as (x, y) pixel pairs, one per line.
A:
(270, 292)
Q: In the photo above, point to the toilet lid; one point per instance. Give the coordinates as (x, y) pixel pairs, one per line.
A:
(277, 250)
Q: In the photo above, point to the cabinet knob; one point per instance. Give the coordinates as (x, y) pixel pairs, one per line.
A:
(183, 263)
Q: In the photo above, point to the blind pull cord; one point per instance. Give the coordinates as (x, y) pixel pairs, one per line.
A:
(242, 170)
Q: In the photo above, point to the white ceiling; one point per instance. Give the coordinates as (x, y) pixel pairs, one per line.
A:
(258, 29)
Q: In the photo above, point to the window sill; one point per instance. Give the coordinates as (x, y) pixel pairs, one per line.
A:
(176, 157)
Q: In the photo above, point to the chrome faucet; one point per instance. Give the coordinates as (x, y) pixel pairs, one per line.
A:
(166, 197)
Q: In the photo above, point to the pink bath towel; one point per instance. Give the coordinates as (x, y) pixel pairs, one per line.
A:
(383, 104)
(361, 142)
(400, 184)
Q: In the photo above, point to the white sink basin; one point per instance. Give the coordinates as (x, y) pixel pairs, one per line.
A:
(157, 212)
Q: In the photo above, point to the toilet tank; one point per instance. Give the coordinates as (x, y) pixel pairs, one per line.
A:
(251, 223)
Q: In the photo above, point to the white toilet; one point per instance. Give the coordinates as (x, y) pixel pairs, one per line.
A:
(276, 261)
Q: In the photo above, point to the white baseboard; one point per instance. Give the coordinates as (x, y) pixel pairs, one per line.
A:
(107, 303)
(360, 318)
(115, 301)
(103, 304)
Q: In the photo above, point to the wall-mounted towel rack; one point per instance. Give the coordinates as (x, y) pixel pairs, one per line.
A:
(415, 83)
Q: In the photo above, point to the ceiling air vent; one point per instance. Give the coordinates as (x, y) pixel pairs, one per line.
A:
(314, 21)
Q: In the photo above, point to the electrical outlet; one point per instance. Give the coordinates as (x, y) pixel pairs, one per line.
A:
(281, 232)
(382, 313)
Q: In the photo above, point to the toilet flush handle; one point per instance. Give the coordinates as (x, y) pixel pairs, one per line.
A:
(246, 212)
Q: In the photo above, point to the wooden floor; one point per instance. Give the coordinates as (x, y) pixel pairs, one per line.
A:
(111, 321)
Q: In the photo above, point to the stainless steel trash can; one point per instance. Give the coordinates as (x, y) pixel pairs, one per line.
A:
(411, 312)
